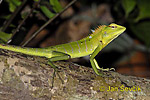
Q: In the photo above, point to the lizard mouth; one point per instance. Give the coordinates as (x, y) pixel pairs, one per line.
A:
(115, 36)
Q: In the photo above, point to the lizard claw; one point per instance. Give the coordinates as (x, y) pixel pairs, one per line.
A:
(112, 69)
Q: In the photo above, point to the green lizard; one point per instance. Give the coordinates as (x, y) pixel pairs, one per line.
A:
(90, 45)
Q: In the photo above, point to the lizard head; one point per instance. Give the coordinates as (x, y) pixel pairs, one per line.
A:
(111, 32)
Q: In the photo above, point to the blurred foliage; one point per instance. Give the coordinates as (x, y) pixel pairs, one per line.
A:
(137, 14)
(4, 37)
(142, 31)
(48, 7)
(144, 9)
(142, 6)
(47, 12)
(13, 4)
(128, 6)
(56, 6)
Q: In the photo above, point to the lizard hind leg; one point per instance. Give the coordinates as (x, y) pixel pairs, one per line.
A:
(56, 57)
(54, 73)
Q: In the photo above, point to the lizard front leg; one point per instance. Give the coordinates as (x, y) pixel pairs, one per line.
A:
(94, 63)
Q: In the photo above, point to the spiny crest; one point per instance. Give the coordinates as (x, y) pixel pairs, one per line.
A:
(98, 29)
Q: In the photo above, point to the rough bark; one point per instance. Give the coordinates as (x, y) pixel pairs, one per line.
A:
(24, 77)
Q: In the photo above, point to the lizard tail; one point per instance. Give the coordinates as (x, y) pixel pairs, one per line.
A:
(24, 50)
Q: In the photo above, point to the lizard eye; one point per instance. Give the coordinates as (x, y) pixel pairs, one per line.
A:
(113, 27)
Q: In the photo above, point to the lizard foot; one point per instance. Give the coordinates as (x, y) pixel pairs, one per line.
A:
(108, 69)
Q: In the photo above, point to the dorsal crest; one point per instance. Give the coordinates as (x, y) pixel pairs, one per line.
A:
(98, 29)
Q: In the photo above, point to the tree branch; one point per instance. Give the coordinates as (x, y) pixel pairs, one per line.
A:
(26, 77)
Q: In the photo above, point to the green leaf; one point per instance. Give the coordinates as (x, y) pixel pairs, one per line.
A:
(5, 16)
(12, 7)
(16, 2)
(142, 31)
(13, 4)
(128, 6)
(36, 0)
(5, 36)
(47, 12)
(144, 9)
(56, 5)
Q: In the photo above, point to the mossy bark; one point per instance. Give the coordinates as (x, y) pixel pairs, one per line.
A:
(24, 77)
